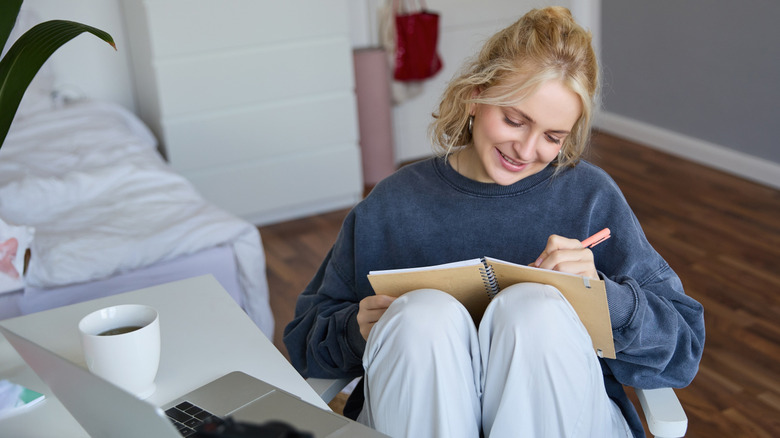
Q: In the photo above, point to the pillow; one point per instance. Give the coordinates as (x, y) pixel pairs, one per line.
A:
(14, 241)
(39, 95)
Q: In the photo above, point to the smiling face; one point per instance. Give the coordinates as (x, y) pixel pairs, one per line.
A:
(513, 142)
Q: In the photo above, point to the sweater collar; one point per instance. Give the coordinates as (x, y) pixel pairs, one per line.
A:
(469, 186)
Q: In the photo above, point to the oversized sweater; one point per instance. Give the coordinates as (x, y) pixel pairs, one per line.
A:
(426, 214)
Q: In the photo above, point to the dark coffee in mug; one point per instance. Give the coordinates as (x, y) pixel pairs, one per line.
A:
(120, 330)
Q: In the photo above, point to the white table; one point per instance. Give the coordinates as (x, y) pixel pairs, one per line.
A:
(204, 336)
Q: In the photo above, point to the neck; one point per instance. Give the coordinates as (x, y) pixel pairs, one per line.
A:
(464, 161)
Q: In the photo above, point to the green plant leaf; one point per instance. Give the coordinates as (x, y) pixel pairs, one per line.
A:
(22, 62)
(9, 10)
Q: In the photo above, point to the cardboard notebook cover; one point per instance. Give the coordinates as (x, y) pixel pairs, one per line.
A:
(475, 282)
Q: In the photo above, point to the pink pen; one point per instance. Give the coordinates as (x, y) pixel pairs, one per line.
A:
(597, 238)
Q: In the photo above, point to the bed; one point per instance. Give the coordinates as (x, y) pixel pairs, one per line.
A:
(83, 186)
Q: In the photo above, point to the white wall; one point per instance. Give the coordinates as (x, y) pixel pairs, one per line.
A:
(89, 67)
(86, 65)
(463, 27)
(697, 80)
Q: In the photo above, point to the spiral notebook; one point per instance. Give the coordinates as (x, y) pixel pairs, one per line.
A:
(475, 282)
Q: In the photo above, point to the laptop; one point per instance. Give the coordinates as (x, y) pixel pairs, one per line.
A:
(104, 409)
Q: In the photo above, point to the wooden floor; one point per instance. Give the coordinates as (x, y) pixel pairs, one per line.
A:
(720, 233)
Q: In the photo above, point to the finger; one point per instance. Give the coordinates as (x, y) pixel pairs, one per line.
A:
(365, 330)
(376, 302)
(372, 308)
(572, 261)
(555, 243)
(582, 268)
(371, 315)
(566, 255)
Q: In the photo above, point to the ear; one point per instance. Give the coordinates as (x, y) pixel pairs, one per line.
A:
(474, 94)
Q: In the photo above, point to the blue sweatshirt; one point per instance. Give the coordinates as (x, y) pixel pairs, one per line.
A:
(426, 214)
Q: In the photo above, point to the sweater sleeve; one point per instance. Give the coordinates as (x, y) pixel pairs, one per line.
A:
(323, 339)
(658, 330)
(661, 342)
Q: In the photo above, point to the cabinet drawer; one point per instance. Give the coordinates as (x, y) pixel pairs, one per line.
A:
(181, 27)
(289, 183)
(216, 81)
(261, 132)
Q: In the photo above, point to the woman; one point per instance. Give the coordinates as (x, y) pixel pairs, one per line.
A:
(509, 184)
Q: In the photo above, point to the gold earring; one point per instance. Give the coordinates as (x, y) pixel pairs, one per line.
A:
(471, 123)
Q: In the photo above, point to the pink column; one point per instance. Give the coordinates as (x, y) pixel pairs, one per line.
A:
(372, 84)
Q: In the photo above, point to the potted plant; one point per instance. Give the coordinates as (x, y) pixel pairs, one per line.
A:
(23, 60)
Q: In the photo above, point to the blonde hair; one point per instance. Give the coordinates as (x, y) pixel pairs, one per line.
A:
(545, 44)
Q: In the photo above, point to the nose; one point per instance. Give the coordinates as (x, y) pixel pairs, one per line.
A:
(525, 146)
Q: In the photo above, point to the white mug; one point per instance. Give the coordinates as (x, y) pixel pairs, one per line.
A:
(122, 345)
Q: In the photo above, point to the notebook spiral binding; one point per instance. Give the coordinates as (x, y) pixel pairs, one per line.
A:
(489, 279)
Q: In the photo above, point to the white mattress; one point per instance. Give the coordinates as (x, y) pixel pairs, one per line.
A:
(110, 214)
(217, 261)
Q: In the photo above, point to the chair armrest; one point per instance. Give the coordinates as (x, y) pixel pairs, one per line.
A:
(327, 389)
(664, 413)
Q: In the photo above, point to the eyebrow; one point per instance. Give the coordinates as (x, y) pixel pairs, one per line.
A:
(533, 122)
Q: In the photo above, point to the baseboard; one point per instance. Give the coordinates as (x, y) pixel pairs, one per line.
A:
(304, 210)
(728, 160)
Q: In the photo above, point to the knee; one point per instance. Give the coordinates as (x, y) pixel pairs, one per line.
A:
(425, 314)
(532, 308)
(535, 318)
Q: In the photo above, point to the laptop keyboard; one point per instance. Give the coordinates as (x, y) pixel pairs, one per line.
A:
(187, 417)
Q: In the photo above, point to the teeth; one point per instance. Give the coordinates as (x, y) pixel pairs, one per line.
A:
(511, 161)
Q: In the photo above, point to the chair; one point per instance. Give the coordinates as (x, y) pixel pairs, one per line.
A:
(663, 412)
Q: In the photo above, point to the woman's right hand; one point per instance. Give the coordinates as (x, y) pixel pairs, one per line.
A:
(371, 309)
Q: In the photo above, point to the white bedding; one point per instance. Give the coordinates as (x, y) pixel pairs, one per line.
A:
(88, 178)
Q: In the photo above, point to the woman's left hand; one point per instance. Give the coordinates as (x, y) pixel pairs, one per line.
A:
(567, 255)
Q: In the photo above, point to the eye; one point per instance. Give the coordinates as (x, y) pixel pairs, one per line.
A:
(552, 139)
(512, 123)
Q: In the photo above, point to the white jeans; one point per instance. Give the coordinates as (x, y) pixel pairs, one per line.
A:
(530, 370)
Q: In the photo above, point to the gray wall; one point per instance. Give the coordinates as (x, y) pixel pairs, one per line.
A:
(709, 69)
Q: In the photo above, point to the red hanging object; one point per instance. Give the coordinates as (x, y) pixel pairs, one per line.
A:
(417, 34)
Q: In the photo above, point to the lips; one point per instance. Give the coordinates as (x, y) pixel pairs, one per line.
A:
(511, 164)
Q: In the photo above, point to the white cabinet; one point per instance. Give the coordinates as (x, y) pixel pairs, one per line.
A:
(253, 101)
